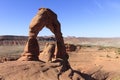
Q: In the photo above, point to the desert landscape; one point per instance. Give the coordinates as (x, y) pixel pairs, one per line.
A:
(93, 61)
(60, 40)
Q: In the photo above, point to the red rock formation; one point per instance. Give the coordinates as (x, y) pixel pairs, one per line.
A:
(48, 53)
(44, 17)
(70, 47)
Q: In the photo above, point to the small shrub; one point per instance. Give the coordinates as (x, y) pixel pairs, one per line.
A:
(101, 48)
(108, 56)
(116, 57)
(118, 51)
(86, 45)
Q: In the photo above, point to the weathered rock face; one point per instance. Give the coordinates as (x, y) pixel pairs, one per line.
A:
(44, 17)
(48, 53)
(36, 70)
(57, 70)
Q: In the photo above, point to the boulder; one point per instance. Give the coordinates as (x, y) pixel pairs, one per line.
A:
(70, 47)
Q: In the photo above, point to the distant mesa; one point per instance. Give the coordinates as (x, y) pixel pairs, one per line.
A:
(11, 40)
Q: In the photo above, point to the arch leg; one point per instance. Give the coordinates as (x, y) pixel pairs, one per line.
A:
(60, 50)
(31, 50)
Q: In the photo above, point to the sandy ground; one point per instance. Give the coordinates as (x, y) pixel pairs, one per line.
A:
(90, 60)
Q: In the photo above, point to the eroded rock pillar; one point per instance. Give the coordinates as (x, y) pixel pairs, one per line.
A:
(31, 50)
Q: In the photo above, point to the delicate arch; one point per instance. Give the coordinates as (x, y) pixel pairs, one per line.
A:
(44, 17)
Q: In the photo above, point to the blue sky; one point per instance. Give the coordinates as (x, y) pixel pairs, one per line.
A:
(81, 18)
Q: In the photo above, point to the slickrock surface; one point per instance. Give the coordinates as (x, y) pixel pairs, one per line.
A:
(37, 70)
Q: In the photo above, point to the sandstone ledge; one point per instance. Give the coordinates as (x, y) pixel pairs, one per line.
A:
(37, 70)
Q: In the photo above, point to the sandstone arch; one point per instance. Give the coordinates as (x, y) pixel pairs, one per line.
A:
(44, 17)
